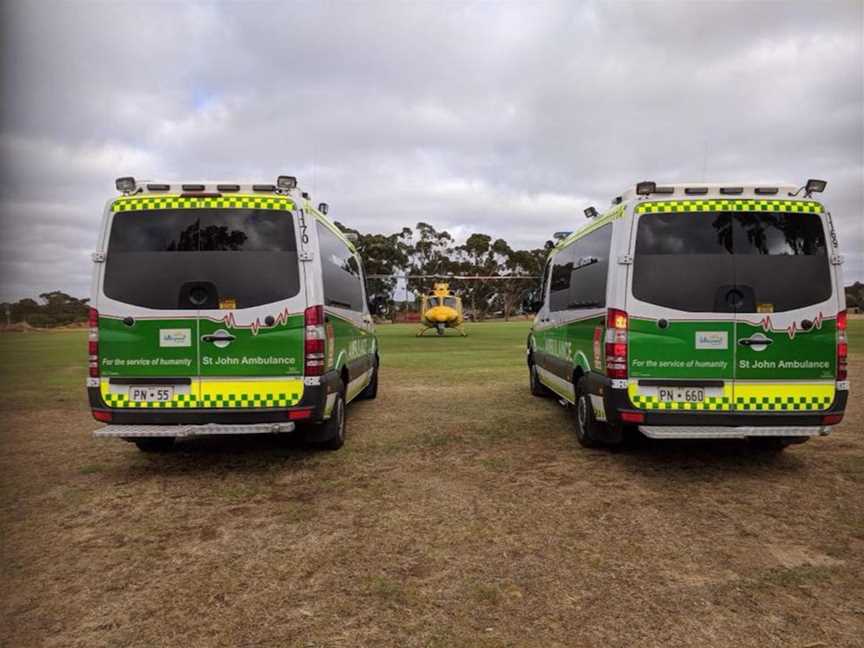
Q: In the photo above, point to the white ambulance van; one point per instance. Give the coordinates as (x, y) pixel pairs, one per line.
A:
(697, 311)
(221, 308)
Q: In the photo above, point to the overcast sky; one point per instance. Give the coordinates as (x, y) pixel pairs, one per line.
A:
(499, 117)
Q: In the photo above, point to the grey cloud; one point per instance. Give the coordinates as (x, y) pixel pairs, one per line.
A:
(502, 117)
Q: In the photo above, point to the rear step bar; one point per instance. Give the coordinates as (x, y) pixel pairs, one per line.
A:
(718, 432)
(138, 431)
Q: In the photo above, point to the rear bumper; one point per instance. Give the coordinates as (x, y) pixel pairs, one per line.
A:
(720, 432)
(313, 401)
(180, 431)
(617, 402)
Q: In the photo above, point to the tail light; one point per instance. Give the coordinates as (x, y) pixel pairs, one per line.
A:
(832, 419)
(314, 343)
(93, 343)
(842, 347)
(616, 343)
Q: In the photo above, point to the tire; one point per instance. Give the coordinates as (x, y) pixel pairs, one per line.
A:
(538, 389)
(333, 429)
(440, 329)
(588, 429)
(370, 392)
(154, 445)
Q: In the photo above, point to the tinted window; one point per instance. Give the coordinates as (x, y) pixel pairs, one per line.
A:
(244, 256)
(590, 269)
(579, 272)
(690, 261)
(343, 280)
(559, 285)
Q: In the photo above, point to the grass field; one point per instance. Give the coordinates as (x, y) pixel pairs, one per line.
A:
(461, 512)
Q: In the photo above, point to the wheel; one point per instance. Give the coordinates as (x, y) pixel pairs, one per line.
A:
(333, 429)
(154, 444)
(588, 429)
(371, 390)
(538, 389)
(440, 329)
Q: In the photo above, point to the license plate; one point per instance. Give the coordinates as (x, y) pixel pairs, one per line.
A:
(681, 394)
(151, 394)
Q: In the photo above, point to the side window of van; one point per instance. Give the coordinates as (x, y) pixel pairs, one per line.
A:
(590, 269)
(579, 272)
(343, 280)
(559, 286)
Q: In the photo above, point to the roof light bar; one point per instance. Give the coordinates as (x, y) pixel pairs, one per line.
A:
(646, 188)
(560, 236)
(286, 183)
(125, 185)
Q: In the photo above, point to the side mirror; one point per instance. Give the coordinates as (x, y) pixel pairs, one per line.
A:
(377, 305)
(533, 301)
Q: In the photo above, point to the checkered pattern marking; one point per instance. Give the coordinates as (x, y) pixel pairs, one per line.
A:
(713, 404)
(219, 395)
(225, 202)
(232, 400)
(180, 401)
(666, 206)
(783, 403)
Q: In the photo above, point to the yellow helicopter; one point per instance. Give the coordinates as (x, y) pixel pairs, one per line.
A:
(441, 310)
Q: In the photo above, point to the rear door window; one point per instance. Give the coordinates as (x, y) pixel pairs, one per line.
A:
(245, 256)
(690, 261)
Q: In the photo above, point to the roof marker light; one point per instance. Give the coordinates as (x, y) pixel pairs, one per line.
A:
(560, 236)
(286, 183)
(193, 187)
(125, 185)
(263, 187)
(731, 191)
(696, 191)
(591, 212)
(664, 190)
(158, 187)
(646, 188)
(815, 186)
(228, 187)
(766, 191)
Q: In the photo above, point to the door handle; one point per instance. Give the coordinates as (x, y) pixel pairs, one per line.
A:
(760, 342)
(218, 338)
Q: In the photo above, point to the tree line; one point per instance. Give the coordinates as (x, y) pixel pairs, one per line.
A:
(427, 251)
(53, 308)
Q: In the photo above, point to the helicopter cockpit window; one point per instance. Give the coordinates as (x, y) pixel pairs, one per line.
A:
(432, 302)
(451, 302)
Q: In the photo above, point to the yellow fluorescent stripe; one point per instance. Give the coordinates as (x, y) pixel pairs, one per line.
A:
(219, 394)
(239, 201)
(749, 397)
(741, 204)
